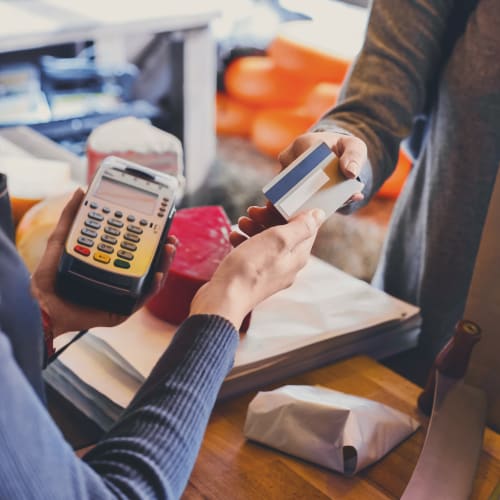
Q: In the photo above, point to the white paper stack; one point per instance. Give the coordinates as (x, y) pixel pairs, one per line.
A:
(325, 316)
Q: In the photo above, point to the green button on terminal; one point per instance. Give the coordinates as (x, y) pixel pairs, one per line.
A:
(121, 263)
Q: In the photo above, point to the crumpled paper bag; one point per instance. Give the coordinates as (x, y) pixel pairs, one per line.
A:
(336, 430)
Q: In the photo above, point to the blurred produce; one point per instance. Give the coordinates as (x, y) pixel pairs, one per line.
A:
(256, 80)
(275, 97)
(321, 98)
(233, 116)
(274, 129)
(32, 179)
(297, 50)
(35, 227)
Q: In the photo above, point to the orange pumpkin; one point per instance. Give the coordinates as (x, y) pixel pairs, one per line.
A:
(274, 129)
(321, 98)
(232, 116)
(257, 81)
(394, 184)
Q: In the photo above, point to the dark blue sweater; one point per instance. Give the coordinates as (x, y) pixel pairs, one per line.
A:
(150, 451)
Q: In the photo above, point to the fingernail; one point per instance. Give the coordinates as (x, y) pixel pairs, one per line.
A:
(353, 168)
(319, 216)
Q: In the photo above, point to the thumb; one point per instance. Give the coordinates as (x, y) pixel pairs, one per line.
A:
(352, 154)
(63, 226)
(304, 226)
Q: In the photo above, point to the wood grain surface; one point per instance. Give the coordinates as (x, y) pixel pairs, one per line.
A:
(230, 467)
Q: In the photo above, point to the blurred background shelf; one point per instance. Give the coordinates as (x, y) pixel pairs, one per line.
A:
(75, 62)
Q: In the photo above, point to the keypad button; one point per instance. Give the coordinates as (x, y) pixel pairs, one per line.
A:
(103, 247)
(112, 231)
(131, 218)
(109, 239)
(125, 255)
(106, 210)
(162, 209)
(81, 250)
(94, 205)
(89, 232)
(165, 199)
(143, 222)
(92, 223)
(83, 240)
(101, 257)
(121, 263)
(96, 216)
(115, 222)
(160, 214)
(128, 246)
(119, 214)
(132, 237)
(134, 229)
(163, 203)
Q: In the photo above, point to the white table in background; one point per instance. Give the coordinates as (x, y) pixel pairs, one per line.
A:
(29, 24)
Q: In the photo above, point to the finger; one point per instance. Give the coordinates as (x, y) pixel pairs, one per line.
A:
(267, 216)
(304, 142)
(355, 198)
(172, 239)
(286, 156)
(68, 215)
(301, 227)
(167, 258)
(158, 281)
(352, 154)
(297, 147)
(249, 226)
(168, 254)
(236, 238)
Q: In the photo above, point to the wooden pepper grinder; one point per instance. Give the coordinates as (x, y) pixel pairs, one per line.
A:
(452, 360)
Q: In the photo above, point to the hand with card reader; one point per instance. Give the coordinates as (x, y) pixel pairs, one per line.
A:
(314, 177)
(82, 282)
(110, 249)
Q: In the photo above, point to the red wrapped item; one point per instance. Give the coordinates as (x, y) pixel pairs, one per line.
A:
(203, 234)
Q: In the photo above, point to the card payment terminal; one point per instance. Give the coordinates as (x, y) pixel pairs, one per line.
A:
(114, 246)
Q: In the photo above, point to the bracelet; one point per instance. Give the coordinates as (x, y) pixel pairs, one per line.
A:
(47, 332)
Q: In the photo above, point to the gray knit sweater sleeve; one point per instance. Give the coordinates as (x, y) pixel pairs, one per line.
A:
(387, 85)
(150, 451)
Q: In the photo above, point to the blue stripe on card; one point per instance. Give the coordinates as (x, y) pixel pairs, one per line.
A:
(297, 173)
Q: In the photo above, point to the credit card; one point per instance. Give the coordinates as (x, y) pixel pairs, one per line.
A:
(313, 180)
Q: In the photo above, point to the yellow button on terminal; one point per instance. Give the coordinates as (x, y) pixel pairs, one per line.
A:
(102, 257)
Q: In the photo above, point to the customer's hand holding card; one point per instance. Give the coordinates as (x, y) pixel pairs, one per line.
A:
(313, 180)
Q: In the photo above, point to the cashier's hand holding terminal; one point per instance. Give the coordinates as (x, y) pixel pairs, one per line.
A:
(92, 272)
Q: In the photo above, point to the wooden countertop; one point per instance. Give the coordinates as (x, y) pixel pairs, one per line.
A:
(229, 466)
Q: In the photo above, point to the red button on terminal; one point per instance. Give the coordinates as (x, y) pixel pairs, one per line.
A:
(82, 250)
